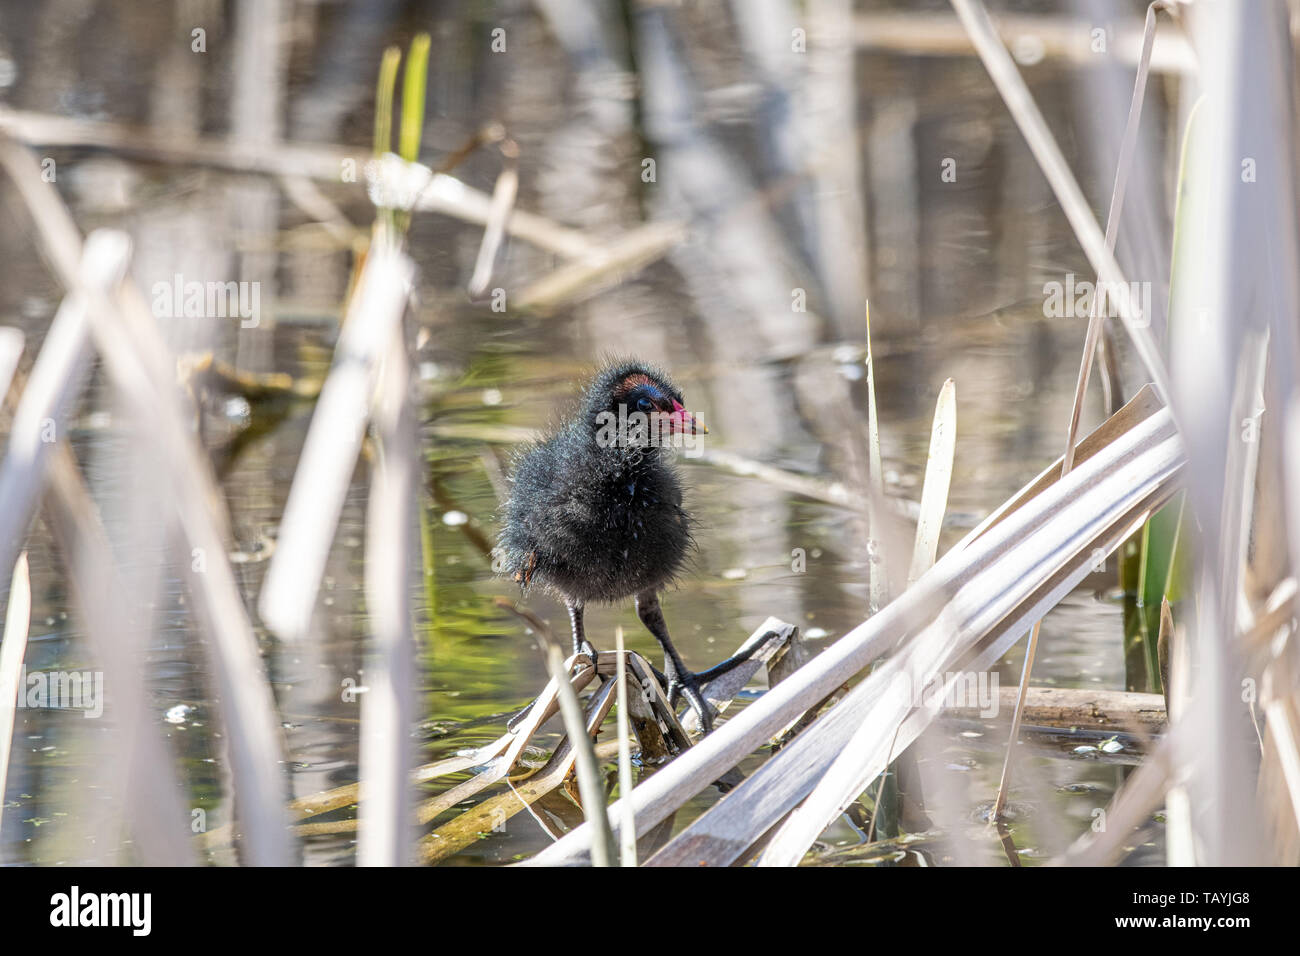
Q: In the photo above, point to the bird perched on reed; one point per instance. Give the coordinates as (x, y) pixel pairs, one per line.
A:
(595, 512)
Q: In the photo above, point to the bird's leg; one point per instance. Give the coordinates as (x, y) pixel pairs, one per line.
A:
(680, 680)
(580, 643)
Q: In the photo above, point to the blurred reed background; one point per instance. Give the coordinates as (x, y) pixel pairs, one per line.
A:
(260, 520)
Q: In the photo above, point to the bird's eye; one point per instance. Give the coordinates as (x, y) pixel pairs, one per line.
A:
(644, 405)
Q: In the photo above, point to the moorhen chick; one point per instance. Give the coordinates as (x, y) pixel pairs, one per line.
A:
(595, 512)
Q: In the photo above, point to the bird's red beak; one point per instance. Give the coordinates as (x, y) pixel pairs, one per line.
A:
(682, 422)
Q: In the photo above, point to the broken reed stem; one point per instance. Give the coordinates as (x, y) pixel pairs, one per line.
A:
(839, 786)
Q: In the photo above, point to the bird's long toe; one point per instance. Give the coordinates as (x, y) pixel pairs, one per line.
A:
(688, 686)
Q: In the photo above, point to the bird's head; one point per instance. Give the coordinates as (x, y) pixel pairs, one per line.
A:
(634, 403)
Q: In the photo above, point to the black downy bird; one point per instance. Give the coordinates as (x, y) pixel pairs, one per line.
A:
(595, 513)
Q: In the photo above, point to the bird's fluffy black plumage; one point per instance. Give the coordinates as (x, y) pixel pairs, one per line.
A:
(593, 523)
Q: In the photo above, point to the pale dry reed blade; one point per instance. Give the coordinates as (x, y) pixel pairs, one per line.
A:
(528, 785)
(57, 378)
(333, 442)
(1283, 717)
(589, 784)
(18, 616)
(1288, 731)
(1270, 59)
(1126, 478)
(627, 826)
(387, 708)
(11, 350)
(1139, 408)
(449, 196)
(720, 836)
(494, 761)
(327, 163)
(856, 757)
(1019, 101)
(503, 204)
(878, 583)
(938, 478)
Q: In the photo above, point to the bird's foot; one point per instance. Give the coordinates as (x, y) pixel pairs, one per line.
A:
(688, 685)
(587, 648)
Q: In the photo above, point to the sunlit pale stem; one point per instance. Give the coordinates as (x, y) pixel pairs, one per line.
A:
(627, 825)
